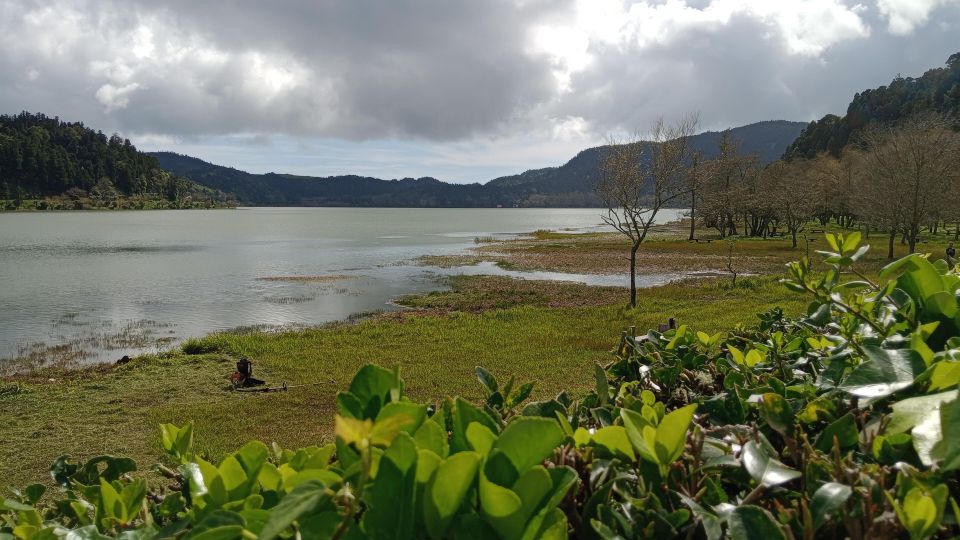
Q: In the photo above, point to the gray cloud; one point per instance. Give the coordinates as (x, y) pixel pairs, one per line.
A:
(456, 70)
(743, 71)
(353, 69)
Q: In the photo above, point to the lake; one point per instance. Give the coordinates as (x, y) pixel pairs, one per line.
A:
(94, 286)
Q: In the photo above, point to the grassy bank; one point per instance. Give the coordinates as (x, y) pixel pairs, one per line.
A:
(547, 332)
(116, 409)
(668, 251)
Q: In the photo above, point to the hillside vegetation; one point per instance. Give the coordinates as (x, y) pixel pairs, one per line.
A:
(570, 185)
(75, 166)
(937, 90)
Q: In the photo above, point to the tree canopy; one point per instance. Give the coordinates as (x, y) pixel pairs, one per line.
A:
(42, 156)
(937, 90)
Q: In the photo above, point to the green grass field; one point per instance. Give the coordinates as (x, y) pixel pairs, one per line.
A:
(116, 409)
(547, 332)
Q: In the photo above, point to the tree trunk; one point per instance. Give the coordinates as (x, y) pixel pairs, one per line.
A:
(893, 238)
(793, 233)
(633, 274)
(693, 215)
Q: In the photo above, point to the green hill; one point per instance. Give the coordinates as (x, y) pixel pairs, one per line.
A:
(44, 158)
(937, 90)
(569, 185)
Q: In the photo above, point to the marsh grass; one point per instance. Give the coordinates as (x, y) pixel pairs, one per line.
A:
(73, 347)
(547, 332)
(665, 252)
(308, 279)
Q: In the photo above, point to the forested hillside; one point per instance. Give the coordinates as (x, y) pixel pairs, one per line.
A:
(274, 189)
(43, 157)
(577, 178)
(937, 90)
(570, 185)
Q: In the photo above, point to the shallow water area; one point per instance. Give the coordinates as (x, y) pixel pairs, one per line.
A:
(83, 287)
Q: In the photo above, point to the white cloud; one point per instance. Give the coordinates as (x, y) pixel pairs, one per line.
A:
(493, 80)
(115, 97)
(904, 16)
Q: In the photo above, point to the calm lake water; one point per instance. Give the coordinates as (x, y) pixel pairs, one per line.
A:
(93, 286)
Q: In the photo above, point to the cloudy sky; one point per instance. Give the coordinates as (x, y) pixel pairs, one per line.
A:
(463, 90)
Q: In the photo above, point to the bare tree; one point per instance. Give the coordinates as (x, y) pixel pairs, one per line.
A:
(726, 185)
(791, 189)
(639, 178)
(876, 201)
(916, 163)
(698, 170)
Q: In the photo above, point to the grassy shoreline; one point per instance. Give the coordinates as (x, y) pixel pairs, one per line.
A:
(547, 332)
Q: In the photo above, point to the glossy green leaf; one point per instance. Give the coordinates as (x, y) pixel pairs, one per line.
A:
(615, 441)
(921, 281)
(480, 437)
(949, 447)
(464, 413)
(921, 511)
(427, 463)
(552, 526)
(508, 510)
(603, 389)
(392, 498)
(777, 412)
(828, 498)
(487, 379)
(414, 412)
(944, 374)
(431, 436)
(922, 416)
(642, 435)
(373, 387)
(672, 433)
(764, 468)
(884, 372)
(527, 441)
(447, 489)
(301, 500)
(844, 430)
(520, 395)
(753, 523)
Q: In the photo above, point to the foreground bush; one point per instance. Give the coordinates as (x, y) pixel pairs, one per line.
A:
(845, 423)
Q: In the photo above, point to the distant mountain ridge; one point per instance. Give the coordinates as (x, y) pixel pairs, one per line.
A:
(569, 185)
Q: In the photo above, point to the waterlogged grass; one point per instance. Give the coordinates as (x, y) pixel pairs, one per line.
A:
(476, 293)
(547, 332)
(668, 250)
(116, 409)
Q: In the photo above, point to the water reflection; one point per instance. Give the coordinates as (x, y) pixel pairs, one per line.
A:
(99, 285)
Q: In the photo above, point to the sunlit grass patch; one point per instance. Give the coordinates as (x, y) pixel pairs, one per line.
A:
(115, 409)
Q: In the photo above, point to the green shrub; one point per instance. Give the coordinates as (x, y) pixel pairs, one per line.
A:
(843, 423)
